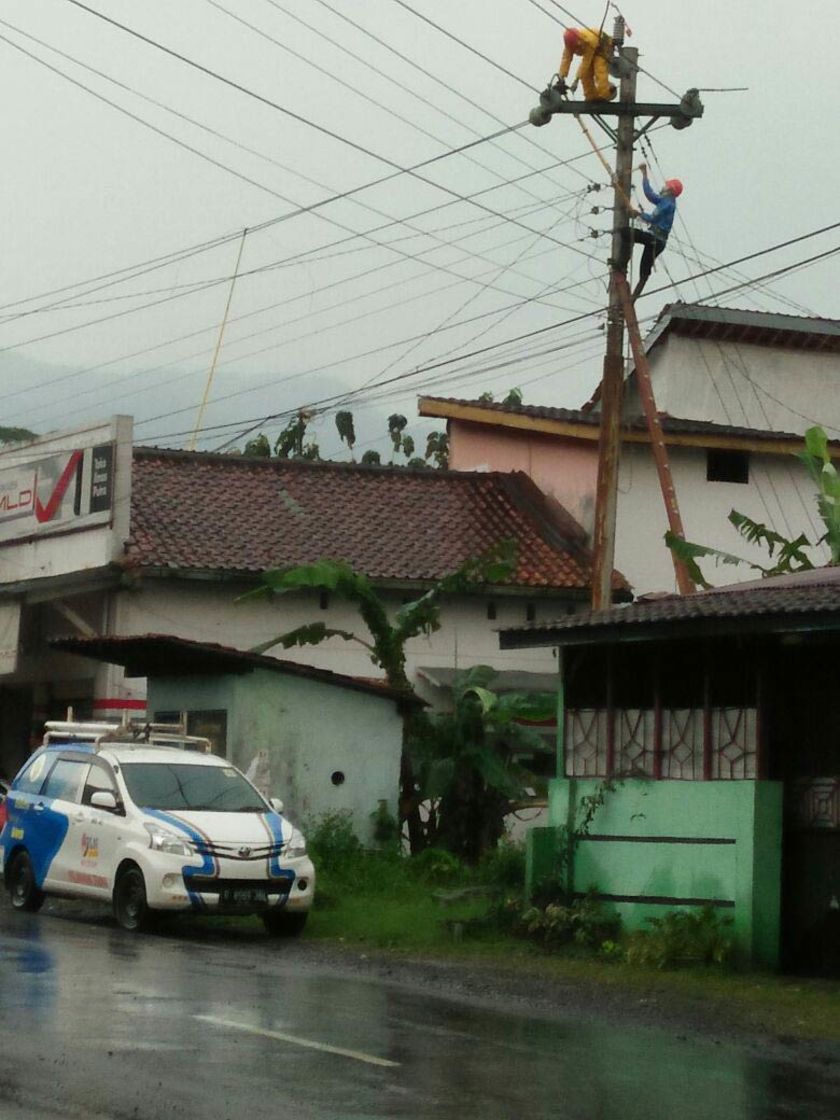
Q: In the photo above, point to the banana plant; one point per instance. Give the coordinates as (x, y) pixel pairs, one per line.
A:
(387, 638)
(468, 765)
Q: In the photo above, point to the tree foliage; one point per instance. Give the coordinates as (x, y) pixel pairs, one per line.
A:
(258, 447)
(292, 443)
(16, 435)
(467, 762)
(346, 429)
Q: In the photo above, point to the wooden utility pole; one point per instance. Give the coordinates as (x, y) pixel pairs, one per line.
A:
(554, 100)
(654, 426)
(612, 382)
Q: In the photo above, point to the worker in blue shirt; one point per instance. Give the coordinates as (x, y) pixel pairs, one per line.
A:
(659, 223)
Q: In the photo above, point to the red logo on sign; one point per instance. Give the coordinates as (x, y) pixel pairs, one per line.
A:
(47, 512)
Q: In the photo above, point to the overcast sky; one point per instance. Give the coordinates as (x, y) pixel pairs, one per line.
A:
(396, 277)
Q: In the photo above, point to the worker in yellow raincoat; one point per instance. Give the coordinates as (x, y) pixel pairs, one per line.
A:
(595, 51)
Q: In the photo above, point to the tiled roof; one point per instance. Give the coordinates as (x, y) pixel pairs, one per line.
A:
(164, 655)
(193, 512)
(798, 601)
(671, 425)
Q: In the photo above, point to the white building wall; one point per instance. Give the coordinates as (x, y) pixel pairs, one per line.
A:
(779, 494)
(208, 612)
(770, 388)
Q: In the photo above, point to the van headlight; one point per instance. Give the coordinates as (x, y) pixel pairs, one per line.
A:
(163, 840)
(296, 845)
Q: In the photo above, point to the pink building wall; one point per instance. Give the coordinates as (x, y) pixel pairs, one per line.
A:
(567, 469)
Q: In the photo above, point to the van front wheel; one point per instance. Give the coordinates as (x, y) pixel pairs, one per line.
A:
(130, 907)
(23, 890)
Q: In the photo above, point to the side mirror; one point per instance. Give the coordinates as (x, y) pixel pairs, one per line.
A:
(103, 799)
(276, 804)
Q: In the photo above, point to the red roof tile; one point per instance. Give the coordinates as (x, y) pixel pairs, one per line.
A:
(223, 513)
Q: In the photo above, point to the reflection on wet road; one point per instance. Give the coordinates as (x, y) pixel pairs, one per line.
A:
(100, 1024)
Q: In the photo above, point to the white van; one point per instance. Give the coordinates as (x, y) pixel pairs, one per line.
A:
(151, 821)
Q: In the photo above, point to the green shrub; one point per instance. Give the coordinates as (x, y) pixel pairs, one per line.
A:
(504, 867)
(584, 921)
(681, 937)
(332, 843)
(386, 827)
(435, 865)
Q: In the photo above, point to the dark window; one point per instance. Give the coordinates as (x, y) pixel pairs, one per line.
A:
(324, 600)
(65, 780)
(98, 781)
(530, 612)
(491, 611)
(727, 466)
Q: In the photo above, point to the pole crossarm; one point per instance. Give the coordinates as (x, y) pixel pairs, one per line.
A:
(554, 101)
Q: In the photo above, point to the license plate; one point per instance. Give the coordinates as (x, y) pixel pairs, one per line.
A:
(243, 896)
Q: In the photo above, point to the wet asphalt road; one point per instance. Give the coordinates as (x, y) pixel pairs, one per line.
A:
(220, 1025)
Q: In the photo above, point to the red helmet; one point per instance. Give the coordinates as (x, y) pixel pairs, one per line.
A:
(674, 186)
(571, 38)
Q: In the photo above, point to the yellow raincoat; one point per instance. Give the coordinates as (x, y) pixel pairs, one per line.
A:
(593, 73)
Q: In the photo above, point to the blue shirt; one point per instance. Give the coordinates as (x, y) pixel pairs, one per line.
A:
(662, 218)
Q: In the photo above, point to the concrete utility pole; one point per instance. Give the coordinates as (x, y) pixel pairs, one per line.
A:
(553, 101)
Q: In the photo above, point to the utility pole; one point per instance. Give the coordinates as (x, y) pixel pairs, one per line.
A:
(554, 101)
(612, 381)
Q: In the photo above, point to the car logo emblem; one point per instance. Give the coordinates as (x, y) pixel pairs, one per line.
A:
(244, 852)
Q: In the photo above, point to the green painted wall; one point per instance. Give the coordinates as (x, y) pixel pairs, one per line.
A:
(654, 846)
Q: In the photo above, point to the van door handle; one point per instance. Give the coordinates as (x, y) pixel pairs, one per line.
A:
(39, 807)
(79, 817)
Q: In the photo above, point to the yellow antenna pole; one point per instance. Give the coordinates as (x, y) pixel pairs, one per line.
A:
(212, 371)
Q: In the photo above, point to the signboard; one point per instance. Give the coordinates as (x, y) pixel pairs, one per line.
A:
(58, 491)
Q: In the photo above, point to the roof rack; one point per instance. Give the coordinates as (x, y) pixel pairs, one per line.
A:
(128, 730)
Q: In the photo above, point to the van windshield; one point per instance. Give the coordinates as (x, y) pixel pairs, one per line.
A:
(173, 785)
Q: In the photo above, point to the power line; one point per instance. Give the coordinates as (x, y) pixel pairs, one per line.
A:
(466, 46)
(195, 151)
(450, 361)
(523, 136)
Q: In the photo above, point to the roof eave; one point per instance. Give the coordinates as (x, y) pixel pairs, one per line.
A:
(670, 630)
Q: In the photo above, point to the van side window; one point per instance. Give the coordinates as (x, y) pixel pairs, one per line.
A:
(32, 778)
(98, 779)
(65, 780)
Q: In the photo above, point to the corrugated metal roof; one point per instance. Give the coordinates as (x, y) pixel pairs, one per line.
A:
(732, 324)
(800, 600)
(165, 655)
(671, 425)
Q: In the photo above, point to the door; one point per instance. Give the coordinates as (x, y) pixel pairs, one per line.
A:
(56, 808)
(94, 837)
